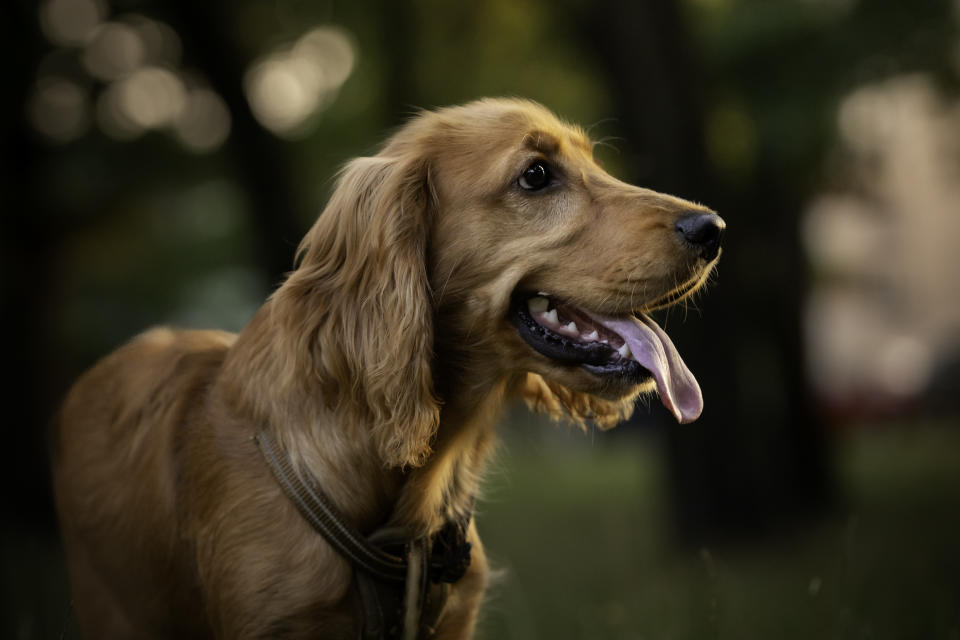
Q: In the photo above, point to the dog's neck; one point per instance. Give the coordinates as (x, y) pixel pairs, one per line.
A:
(473, 391)
(343, 459)
(446, 486)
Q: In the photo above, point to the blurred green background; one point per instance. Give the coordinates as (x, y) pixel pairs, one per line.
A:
(161, 161)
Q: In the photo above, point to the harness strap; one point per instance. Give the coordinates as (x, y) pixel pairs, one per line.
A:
(317, 509)
(394, 592)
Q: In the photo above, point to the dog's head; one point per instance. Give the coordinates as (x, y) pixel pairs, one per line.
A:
(484, 242)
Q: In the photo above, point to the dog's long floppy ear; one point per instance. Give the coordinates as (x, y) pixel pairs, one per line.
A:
(558, 402)
(361, 303)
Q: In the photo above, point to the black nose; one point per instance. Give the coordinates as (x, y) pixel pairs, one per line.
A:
(703, 231)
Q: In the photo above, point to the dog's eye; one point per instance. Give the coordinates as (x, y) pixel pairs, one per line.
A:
(535, 177)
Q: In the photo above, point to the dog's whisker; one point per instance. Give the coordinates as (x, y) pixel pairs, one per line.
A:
(606, 143)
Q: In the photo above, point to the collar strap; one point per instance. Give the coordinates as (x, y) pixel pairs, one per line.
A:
(448, 552)
(326, 519)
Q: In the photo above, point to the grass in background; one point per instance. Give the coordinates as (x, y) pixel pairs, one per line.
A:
(582, 535)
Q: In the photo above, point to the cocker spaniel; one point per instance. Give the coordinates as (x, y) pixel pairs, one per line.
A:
(481, 256)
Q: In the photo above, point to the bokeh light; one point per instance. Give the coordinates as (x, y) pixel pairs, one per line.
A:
(204, 123)
(292, 84)
(161, 43)
(71, 22)
(152, 97)
(329, 49)
(133, 62)
(115, 50)
(59, 109)
(842, 235)
(157, 98)
(904, 365)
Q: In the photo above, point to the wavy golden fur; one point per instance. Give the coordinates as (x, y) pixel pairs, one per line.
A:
(381, 364)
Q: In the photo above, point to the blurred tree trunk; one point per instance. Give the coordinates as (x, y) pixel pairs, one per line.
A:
(397, 24)
(758, 452)
(263, 162)
(30, 240)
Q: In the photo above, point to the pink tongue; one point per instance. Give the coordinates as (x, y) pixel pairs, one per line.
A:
(653, 349)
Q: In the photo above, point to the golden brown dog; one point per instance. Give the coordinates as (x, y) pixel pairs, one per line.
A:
(481, 256)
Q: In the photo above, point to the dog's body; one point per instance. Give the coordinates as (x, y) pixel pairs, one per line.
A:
(381, 366)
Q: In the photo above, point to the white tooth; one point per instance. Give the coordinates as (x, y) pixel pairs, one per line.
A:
(538, 304)
(593, 336)
(605, 341)
(572, 328)
(551, 316)
(624, 351)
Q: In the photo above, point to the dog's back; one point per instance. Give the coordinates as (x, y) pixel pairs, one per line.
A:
(116, 476)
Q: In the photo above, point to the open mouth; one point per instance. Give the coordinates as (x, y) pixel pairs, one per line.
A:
(633, 348)
(568, 335)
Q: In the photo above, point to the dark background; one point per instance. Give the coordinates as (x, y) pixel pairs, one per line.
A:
(161, 161)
